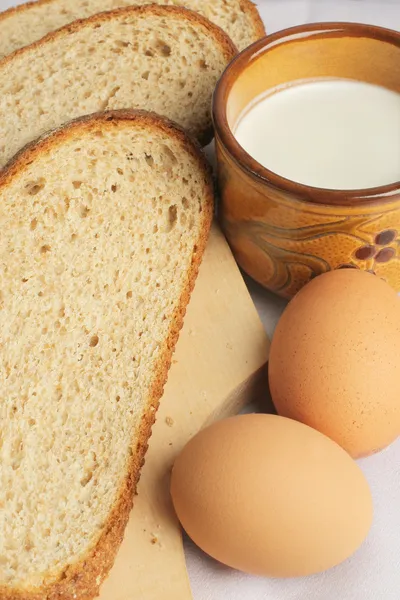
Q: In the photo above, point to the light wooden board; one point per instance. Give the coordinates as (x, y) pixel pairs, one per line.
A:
(219, 366)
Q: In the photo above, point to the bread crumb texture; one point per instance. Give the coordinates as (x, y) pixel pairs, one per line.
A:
(26, 24)
(161, 59)
(103, 226)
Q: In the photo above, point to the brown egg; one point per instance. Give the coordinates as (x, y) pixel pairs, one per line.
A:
(335, 360)
(271, 496)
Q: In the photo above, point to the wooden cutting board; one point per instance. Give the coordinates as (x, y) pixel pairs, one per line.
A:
(218, 367)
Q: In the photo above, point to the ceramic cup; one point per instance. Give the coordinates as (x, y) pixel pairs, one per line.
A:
(283, 233)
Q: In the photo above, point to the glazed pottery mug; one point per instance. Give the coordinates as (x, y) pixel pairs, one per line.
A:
(284, 233)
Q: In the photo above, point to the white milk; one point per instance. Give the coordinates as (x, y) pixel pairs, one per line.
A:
(337, 134)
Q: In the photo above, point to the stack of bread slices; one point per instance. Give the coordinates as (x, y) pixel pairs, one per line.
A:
(106, 202)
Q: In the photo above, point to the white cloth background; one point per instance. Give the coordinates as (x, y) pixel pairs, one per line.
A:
(373, 573)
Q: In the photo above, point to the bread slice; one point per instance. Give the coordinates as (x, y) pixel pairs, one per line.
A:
(104, 223)
(158, 58)
(28, 23)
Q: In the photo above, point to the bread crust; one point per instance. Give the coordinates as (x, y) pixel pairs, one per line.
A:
(226, 45)
(250, 8)
(247, 6)
(82, 580)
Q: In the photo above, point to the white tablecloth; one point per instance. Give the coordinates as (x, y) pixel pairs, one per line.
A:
(373, 573)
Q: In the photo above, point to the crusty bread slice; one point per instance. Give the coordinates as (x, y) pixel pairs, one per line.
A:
(160, 58)
(104, 223)
(29, 22)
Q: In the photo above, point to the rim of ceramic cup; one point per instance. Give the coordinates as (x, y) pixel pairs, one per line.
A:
(254, 168)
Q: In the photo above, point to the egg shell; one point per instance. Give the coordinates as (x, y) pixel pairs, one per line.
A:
(335, 360)
(270, 496)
